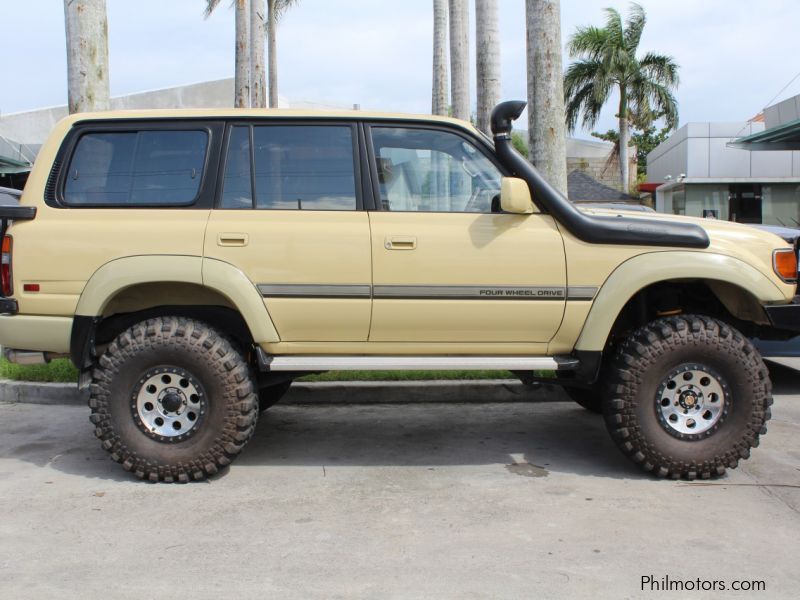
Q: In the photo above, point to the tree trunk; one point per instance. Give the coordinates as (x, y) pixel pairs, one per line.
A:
(624, 140)
(439, 96)
(242, 74)
(459, 58)
(546, 127)
(86, 28)
(258, 93)
(272, 42)
(487, 47)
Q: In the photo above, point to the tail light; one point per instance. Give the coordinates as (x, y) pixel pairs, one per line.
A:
(785, 264)
(6, 284)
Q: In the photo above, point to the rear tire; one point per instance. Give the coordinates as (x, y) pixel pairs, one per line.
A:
(172, 400)
(688, 397)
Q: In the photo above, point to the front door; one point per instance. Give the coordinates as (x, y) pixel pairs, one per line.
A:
(289, 218)
(446, 267)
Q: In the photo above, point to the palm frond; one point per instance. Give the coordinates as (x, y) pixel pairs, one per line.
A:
(281, 6)
(634, 26)
(588, 41)
(211, 6)
(614, 27)
(660, 68)
(651, 100)
(586, 90)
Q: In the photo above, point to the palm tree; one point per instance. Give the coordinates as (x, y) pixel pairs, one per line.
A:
(606, 61)
(275, 10)
(439, 95)
(242, 69)
(258, 84)
(251, 22)
(487, 54)
(459, 58)
(86, 28)
(547, 138)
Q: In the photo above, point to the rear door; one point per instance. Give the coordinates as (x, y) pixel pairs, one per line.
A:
(289, 216)
(446, 267)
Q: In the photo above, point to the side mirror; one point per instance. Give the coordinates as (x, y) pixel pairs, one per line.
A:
(515, 196)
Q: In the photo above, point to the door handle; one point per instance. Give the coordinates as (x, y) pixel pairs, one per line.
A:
(400, 242)
(232, 239)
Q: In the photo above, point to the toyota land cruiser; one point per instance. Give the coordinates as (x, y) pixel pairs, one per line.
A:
(192, 263)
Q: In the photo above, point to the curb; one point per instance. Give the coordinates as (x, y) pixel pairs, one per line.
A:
(334, 392)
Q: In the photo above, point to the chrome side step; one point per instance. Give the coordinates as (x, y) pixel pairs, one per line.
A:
(415, 363)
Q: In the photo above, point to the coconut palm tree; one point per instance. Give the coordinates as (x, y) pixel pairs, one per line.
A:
(275, 10)
(251, 23)
(547, 143)
(242, 70)
(459, 58)
(487, 54)
(439, 104)
(258, 84)
(608, 61)
(86, 28)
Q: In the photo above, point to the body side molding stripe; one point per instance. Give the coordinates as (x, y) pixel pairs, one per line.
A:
(301, 290)
(422, 292)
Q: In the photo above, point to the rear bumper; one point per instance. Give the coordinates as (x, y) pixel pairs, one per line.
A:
(33, 332)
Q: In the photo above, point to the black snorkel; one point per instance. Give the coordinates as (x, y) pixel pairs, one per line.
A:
(592, 229)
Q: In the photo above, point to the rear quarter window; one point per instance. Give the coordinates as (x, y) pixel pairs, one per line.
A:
(136, 168)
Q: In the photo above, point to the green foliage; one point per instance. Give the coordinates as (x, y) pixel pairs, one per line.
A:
(519, 143)
(62, 371)
(645, 141)
(606, 59)
(58, 371)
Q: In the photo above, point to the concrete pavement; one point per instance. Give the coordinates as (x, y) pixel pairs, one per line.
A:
(394, 501)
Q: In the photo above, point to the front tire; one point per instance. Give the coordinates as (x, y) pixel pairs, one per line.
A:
(688, 397)
(173, 400)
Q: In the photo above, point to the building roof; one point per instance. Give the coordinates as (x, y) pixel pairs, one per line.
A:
(583, 188)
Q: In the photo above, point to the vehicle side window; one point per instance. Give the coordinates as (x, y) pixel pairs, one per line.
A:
(297, 167)
(429, 170)
(158, 167)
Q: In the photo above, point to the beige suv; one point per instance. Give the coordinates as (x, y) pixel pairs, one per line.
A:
(192, 263)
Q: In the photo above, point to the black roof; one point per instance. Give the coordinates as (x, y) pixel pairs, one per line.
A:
(582, 188)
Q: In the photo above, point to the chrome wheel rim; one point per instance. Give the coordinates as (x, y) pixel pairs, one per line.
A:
(168, 403)
(692, 401)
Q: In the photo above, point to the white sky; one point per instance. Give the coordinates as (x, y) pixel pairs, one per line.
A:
(735, 55)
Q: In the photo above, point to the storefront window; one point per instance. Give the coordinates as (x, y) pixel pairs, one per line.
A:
(710, 201)
(781, 205)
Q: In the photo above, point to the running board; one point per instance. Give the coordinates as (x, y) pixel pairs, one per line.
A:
(415, 363)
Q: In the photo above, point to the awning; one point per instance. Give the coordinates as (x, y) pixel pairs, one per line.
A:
(782, 137)
(649, 187)
(9, 166)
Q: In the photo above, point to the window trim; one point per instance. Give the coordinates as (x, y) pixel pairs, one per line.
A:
(66, 153)
(478, 143)
(253, 123)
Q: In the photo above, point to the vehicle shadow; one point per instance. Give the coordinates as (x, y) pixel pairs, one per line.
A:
(784, 379)
(539, 438)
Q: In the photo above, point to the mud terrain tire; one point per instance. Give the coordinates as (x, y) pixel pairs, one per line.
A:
(190, 354)
(663, 352)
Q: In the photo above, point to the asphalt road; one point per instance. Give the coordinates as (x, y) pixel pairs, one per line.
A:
(394, 501)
